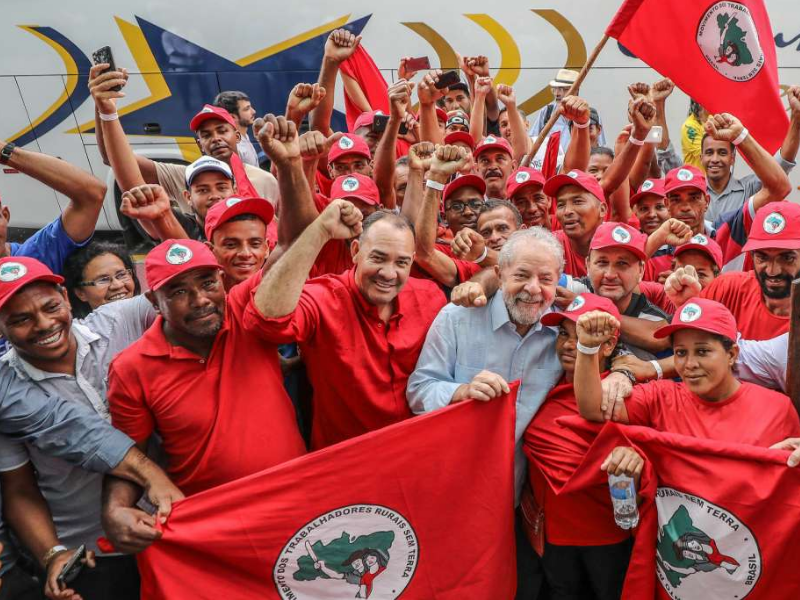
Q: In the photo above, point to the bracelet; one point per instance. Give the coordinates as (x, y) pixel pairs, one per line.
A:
(741, 137)
(627, 373)
(659, 370)
(434, 185)
(483, 256)
(582, 125)
(51, 554)
(108, 117)
(588, 349)
(635, 142)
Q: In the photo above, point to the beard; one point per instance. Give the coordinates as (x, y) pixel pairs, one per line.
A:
(775, 293)
(521, 314)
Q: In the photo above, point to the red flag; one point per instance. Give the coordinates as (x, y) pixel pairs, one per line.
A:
(246, 189)
(423, 509)
(363, 69)
(720, 53)
(718, 520)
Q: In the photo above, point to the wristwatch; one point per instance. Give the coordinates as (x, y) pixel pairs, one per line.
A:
(50, 554)
(6, 152)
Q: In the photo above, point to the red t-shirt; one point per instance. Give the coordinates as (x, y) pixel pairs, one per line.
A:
(654, 292)
(741, 294)
(574, 263)
(358, 365)
(753, 415)
(220, 418)
(657, 265)
(559, 451)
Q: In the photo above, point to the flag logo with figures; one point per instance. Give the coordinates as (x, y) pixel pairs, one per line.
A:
(728, 39)
(178, 254)
(774, 223)
(620, 235)
(647, 185)
(11, 271)
(522, 177)
(358, 551)
(703, 550)
(350, 184)
(576, 304)
(690, 312)
(345, 143)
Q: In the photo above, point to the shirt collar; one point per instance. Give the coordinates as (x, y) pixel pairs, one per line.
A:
(154, 342)
(367, 307)
(499, 313)
(84, 337)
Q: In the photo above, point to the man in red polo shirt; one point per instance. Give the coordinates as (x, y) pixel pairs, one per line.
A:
(760, 299)
(350, 154)
(213, 391)
(494, 161)
(525, 190)
(361, 332)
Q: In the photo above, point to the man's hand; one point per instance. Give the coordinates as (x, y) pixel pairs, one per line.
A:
(278, 137)
(596, 327)
(793, 96)
(474, 66)
(575, 109)
(642, 114)
(399, 98)
(506, 95)
(469, 294)
(616, 387)
(682, 285)
(427, 91)
(640, 90)
(446, 161)
(340, 45)
(483, 85)
(420, 156)
(661, 90)
(623, 460)
(105, 99)
(792, 444)
(303, 98)
(57, 563)
(314, 144)
(724, 127)
(563, 297)
(484, 386)
(130, 530)
(341, 220)
(162, 493)
(412, 129)
(147, 202)
(674, 232)
(468, 244)
(403, 72)
(642, 369)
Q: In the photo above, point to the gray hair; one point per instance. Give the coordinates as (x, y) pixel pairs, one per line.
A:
(534, 235)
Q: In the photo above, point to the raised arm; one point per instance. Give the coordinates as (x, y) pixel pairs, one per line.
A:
(671, 232)
(428, 94)
(303, 98)
(150, 206)
(477, 119)
(791, 142)
(477, 67)
(520, 142)
(419, 161)
(313, 146)
(642, 114)
(659, 93)
(340, 45)
(386, 152)
(576, 109)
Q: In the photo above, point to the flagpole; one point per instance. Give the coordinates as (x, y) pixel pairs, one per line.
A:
(556, 113)
(793, 358)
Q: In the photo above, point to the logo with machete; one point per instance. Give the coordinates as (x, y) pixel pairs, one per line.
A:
(358, 551)
(728, 39)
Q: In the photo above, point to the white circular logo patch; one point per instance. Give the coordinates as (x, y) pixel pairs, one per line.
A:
(346, 143)
(489, 140)
(774, 223)
(350, 184)
(522, 177)
(11, 271)
(699, 239)
(703, 550)
(232, 201)
(728, 39)
(685, 175)
(576, 304)
(178, 254)
(358, 551)
(621, 235)
(690, 312)
(647, 185)
(207, 109)
(573, 174)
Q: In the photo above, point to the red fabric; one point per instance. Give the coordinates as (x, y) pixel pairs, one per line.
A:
(169, 259)
(245, 189)
(210, 413)
(657, 265)
(574, 263)
(554, 454)
(363, 69)
(550, 162)
(654, 292)
(748, 515)
(676, 53)
(228, 543)
(335, 257)
(741, 294)
(358, 365)
(466, 268)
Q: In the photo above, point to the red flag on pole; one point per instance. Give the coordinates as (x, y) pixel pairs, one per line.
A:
(363, 69)
(718, 520)
(423, 509)
(721, 53)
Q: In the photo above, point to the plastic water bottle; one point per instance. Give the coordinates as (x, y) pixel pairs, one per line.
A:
(623, 497)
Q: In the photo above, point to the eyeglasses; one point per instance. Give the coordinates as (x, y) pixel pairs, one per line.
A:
(459, 207)
(105, 280)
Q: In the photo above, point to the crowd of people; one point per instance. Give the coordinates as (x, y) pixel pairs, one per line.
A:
(420, 259)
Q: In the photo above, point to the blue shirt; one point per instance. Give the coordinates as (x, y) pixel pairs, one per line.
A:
(51, 245)
(562, 125)
(462, 342)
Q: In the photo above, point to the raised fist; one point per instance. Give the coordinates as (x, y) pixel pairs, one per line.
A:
(340, 45)
(400, 97)
(314, 144)
(448, 160)
(483, 85)
(304, 98)
(596, 327)
(661, 90)
(575, 109)
(341, 220)
(469, 294)
(427, 91)
(278, 137)
(637, 90)
(145, 202)
(682, 285)
(724, 127)
(506, 95)
(675, 232)
(468, 244)
(420, 156)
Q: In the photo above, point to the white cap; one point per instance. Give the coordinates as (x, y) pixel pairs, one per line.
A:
(206, 163)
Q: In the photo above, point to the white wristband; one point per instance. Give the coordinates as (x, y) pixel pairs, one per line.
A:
(581, 125)
(635, 142)
(108, 117)
(434, 185)
(482, 257)
(659, 370)
(741, 137)
(587, 349)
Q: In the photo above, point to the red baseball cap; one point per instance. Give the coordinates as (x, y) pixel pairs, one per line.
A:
(18, 271)
(224, 210)
(582, 304)
(173, 257)
(349, 143)
(473, 181)
(703, 244)
(685, 176)
(491, 142)
(366, 119)
(619, 235)
(357, 186)
(441, 115)
(460, 136)
(211, 112)
(575, 177)
(649, 187)
(523, 177)
(704, 315)
(777, 225)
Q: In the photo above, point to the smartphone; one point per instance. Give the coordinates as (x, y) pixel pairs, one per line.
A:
(418, 64)
(73, 568)
(104, 55)
(655, 136)
(403, 128)
(447, 79)
(379, 123)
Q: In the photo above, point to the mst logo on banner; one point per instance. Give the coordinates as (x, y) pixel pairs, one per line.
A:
(728, 38)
